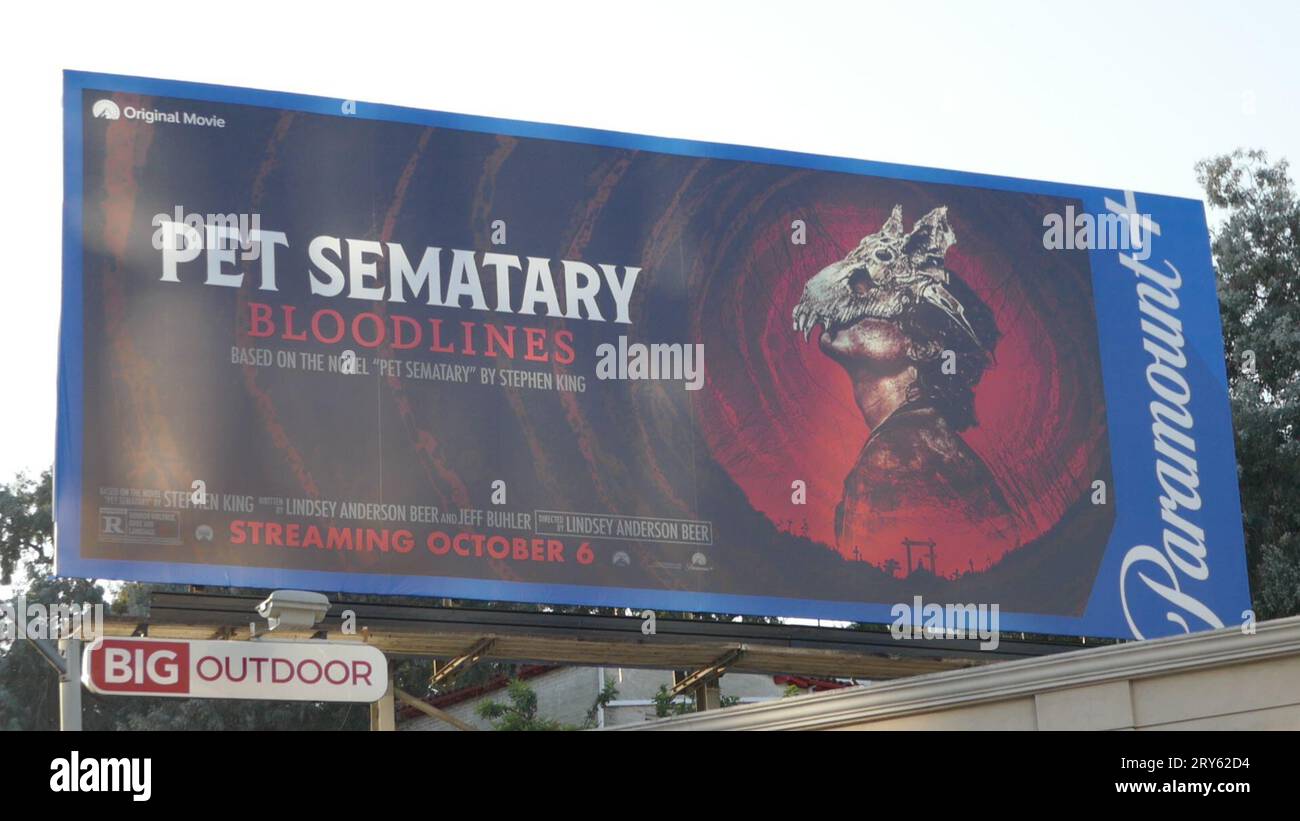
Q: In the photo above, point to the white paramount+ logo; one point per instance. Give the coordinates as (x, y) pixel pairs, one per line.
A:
(127, 775)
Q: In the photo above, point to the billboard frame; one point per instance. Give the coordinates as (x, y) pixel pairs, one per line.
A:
(1101, 616)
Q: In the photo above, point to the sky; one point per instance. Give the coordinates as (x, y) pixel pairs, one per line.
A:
(1127, 95)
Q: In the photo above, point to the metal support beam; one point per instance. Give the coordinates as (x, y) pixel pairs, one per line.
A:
(444, 673)
(70, 685)
(52, 654)
(433, 712)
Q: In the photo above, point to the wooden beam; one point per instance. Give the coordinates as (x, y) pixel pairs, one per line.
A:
(383, 713)
(433, 712)
(444, 673)
(587, 639)
(707, 674)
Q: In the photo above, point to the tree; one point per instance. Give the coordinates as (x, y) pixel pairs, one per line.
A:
(520, 713)
(1257, 255)
(28, 685)
(26, 524)
(666, 704)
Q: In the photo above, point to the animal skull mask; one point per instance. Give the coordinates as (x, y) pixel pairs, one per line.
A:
(888, 273)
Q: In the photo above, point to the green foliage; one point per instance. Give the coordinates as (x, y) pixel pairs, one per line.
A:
(607, 693)
(520, 714)
(667, 705)
(29, 696)
(26, 525)
(1257, 254)
(520, 711)
(204, 714)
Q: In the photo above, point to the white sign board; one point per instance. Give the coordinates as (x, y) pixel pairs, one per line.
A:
(269, 670)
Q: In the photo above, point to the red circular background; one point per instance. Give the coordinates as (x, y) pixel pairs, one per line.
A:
(776, 410)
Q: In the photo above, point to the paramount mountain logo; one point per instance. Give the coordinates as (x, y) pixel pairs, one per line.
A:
(106, 110)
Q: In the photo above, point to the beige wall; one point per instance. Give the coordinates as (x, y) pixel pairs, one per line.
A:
(1222, 679)
(1255, 696)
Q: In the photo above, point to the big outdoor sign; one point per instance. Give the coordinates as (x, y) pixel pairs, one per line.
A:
(324, 344)
(277, 670)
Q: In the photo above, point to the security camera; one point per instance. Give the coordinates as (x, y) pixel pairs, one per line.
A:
(293, 609)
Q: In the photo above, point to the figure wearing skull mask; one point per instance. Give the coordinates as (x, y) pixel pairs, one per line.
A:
(893, 316)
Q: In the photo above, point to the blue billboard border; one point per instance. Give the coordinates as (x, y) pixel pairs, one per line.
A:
(1100, 617)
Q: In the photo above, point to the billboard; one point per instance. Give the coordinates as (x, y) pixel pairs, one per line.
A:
(340, 346)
